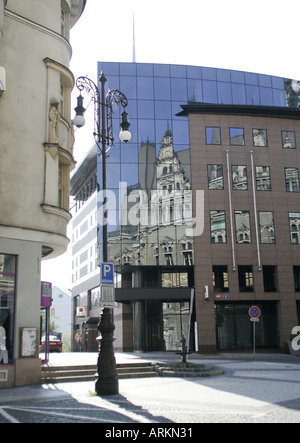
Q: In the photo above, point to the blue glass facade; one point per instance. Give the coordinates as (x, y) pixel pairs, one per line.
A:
(155, 94)
(159, 257)
(177, 83)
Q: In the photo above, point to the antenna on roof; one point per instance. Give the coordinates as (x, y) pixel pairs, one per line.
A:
(133, 42)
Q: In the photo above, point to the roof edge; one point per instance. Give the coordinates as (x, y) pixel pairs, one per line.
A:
(261, 111)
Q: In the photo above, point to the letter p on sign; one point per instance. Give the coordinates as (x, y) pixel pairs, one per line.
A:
(107, 274)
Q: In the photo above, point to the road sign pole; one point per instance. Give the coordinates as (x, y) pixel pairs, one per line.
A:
(254, 338)
(254, 313)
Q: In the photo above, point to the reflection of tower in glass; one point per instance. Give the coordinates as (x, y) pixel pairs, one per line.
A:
(292, 93)
(170, 173)
(162, 205)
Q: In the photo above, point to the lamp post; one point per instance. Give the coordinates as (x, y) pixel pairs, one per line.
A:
(107, 380)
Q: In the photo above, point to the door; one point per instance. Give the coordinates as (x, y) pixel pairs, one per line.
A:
(44, 335)
(154, 326)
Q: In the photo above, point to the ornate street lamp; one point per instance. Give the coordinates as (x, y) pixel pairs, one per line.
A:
(107, 381)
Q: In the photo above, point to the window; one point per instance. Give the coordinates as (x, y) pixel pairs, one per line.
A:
(263, 178)
(294, 220)
(292, 179)
(95, 297)
(7, 306)
(60, 185)
(150, 279)
(269, 275)
(63, 22)
(266, 227)
(215, 177)
(242, 226)
(62, 100)
(234, 330)
(288, 139)
(174, 279)
(63, 197)
(218, 227)
(236, 136)
(187, 252)
(239, 178)
(245, 278)
(213, 135)
(260, 137)
(220, 278)
(188, 258)
(297, 278)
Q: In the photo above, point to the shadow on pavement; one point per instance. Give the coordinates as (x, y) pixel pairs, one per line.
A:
(55, 405)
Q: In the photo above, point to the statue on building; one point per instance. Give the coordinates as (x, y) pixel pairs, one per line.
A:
(53, 121)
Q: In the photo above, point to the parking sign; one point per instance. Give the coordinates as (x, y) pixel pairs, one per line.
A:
(107, 274)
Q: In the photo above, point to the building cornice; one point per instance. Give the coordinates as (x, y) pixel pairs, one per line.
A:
(57, 211)
(61, 69)
(54, 240)
(248, 110)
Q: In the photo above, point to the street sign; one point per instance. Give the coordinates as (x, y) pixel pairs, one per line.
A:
(107, 295)
(254, 312)
(107, 274)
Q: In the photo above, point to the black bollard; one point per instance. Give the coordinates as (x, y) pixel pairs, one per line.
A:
(107, 377)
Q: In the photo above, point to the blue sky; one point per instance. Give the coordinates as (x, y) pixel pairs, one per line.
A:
(257, 35)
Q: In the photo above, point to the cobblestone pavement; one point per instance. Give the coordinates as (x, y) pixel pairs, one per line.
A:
(262, 389)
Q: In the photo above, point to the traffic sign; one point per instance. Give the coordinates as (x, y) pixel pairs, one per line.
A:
(107, 274)
(107, 295)
(254, 312)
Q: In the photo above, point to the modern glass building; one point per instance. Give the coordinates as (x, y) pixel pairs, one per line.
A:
(150, 205)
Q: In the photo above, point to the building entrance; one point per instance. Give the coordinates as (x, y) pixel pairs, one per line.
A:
(175, 324)
(159, 326)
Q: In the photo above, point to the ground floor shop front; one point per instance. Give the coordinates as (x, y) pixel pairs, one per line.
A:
(156, 320)
(160, 325)
(20, 304)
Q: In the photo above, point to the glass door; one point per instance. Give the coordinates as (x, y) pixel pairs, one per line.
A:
(44, 337)
(175, 323)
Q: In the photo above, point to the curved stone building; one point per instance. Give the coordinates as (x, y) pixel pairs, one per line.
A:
(36, 157)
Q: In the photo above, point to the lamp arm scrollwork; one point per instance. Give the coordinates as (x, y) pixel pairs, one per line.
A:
(112, 97)
(86, 84)
(118, 98)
